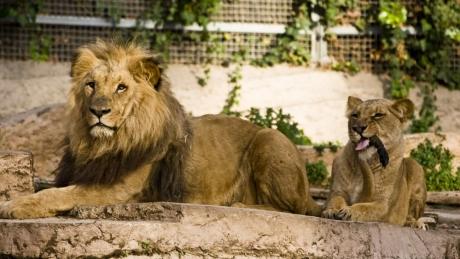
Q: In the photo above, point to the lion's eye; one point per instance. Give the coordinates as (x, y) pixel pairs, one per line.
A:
(355, 115)
(378, 115)
(121, 88)
(91, 84)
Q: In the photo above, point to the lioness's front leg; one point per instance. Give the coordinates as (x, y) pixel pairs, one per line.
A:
(50, 202)
(367, 211)
(334, 205)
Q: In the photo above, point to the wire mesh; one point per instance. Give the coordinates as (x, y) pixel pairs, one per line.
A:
(455, 59)
(100, 8)
(356, 48)
(256, 11)
(15, 41)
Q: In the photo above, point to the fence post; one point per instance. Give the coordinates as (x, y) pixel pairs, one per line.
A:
(318, 42)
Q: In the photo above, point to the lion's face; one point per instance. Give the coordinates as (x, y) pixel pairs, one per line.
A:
(111, 84)
(379, 118)
(108, 96)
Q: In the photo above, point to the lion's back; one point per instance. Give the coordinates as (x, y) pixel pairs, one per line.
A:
(223, 132)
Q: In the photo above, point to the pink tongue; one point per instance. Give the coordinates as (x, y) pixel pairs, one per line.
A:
(362, 144)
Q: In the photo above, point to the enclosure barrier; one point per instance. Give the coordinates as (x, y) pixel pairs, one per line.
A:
(250, 24)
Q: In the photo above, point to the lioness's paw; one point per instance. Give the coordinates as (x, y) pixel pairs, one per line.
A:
(23, 208)
(344, 214)
(329, 213)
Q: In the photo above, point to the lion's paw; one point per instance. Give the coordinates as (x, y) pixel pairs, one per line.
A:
(23, 208)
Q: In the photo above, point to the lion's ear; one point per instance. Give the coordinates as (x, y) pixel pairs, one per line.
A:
(149, 69)
(403, 109)
(352, 103)
(82, 62)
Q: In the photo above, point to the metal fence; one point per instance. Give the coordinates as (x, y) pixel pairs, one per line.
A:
(250, 24)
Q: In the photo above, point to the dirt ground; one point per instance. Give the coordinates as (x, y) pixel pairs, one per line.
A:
(315, 98)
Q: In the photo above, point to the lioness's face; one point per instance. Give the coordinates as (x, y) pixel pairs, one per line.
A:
(379, 118)
(109, 84)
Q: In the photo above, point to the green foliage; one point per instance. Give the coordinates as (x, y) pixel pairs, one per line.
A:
(332, 146)
(400, 83)
(391, 18)
(23, 12)
(317, 173)
(290, 47)
(350, 67)
(426, 117)
(433, 48)
(437, 163)
(146, 247)
(334, 12)
(164, 13)
(214, 47)
(182, 12)
(276, 119)
(425, 56)
(110, 9)
(234, 79)
(392, 14)
(39, 47)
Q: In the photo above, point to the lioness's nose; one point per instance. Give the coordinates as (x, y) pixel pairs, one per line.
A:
(359, 129)
(99, 112)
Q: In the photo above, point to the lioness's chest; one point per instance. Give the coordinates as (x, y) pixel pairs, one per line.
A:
(355, 190)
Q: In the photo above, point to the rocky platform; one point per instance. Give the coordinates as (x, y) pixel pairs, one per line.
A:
(168, 230)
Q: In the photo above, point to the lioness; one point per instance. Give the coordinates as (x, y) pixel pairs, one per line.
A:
(129, 140)
(371, 181)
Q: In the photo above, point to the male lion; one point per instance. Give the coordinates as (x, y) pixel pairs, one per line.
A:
(129, 140)
(371, 181)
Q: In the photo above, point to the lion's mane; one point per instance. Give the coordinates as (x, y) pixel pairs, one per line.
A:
(155, 131)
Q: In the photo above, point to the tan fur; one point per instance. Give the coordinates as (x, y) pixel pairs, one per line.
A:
(153, 152)
(362, 189)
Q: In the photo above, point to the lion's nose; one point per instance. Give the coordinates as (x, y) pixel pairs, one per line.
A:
(99, 112)
(359, 129)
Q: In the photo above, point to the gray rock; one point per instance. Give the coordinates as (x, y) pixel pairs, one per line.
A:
(16, 174)
(187, 230)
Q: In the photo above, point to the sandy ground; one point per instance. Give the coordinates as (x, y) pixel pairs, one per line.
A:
(315, 98)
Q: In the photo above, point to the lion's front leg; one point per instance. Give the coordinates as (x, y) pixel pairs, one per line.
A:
(368, 211)
(50, 202)
(46, 203)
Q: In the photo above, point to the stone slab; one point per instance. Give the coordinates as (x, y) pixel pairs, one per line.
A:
(16, 174)
(197, 231)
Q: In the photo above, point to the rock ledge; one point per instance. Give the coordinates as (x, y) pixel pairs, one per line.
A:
(177, 230)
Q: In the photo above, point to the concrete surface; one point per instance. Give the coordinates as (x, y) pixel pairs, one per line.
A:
(16, 175)
(197, 231)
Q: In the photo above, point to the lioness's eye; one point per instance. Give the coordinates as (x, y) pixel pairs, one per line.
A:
(354, 115)
(91, 84)
(378, 115)
(121, 88)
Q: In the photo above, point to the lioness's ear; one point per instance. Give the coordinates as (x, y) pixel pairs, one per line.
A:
(82, 62)
(149, 69)
(403, 109)
(352, 103)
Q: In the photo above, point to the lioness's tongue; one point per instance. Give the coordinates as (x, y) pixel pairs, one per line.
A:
(362, 144)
